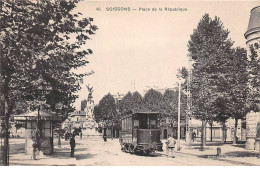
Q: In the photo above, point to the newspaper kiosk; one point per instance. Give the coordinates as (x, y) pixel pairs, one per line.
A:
(45, 119)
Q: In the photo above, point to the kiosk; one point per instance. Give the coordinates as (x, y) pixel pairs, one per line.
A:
(45, 120)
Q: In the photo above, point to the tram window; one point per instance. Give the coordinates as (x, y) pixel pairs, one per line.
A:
(123, 124)
(152, 124)
(144, 123)
(126, 124)
(136, 123)
(130, 123)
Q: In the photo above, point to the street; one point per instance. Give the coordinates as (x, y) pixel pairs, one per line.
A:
(93, 151)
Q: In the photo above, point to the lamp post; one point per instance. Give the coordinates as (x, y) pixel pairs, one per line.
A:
(42, 88)
(179, 114)
(59, 107)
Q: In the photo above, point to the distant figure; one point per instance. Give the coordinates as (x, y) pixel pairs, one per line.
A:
(72, 145)
(66, 135)
(80, 135)
(105, 135)
(193, 136)
(170, 145)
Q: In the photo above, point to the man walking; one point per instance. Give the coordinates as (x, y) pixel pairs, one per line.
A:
(170, 145)
(193, 136)
(105, 134)
(72, 145)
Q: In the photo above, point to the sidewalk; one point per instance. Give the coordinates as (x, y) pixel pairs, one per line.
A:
(61, 157)
(235, 154)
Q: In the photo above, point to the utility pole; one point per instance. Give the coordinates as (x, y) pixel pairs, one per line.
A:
(6, 139)
(179, 117)
(189, 104)
(4, 112)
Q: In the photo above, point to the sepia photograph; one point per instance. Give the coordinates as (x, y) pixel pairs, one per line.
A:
(129, 83)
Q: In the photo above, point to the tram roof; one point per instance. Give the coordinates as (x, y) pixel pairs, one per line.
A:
(146, 112)
(131, 112)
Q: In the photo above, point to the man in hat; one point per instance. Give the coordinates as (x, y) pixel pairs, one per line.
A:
(72, 145)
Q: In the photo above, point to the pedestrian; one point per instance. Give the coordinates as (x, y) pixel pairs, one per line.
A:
(72, 145)
(80, 135)
(105, 134)
(193, 136)
(170, 145)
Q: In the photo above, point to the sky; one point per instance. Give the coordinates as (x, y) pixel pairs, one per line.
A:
(138, 49)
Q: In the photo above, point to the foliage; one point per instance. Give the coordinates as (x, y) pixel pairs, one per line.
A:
(125, 103)
(41, 46)
(182, 73)
(106, 110)
(97, 114)
(153, 101)
(210, 48)
(131, 101)
(254, 78)
(170, 104)
(137, 101)
(238, 83)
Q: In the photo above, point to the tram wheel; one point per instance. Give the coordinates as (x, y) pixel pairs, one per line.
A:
(131, 149)
(146, 152)
(124, 149)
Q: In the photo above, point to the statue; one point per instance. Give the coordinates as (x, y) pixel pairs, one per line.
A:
(90, 91)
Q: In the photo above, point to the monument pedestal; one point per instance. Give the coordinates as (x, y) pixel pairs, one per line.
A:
(250, 143)
(257, 144)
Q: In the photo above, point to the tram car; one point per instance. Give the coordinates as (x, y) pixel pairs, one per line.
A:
(140, 132)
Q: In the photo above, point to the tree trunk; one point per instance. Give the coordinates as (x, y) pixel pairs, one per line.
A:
(211, 124)
(112, 132)
(235, 132)
(203, 135)
(223, 132)
(6, 137)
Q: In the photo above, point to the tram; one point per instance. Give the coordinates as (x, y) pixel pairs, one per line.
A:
(140, 132)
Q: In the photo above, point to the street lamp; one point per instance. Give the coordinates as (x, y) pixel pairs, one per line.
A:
(179, 114)
(42, 88)
(59, 107)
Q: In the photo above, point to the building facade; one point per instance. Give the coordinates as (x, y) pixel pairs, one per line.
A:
(252, 36)
(78, 119)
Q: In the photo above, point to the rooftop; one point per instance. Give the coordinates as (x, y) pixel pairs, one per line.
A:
(78, 113)
(33, 115)
(254, 21)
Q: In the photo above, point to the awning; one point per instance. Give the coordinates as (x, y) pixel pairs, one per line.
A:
(33, 115)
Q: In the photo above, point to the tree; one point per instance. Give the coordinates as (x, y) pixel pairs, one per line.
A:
(152, 101)
(125, 103)
(107, 109)
(97, 114)
(209, 47)
(170, 104)
(137, 101)
(254, 78)
(220, 114)
(41, 40)
(238, 86)
(131, 101)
